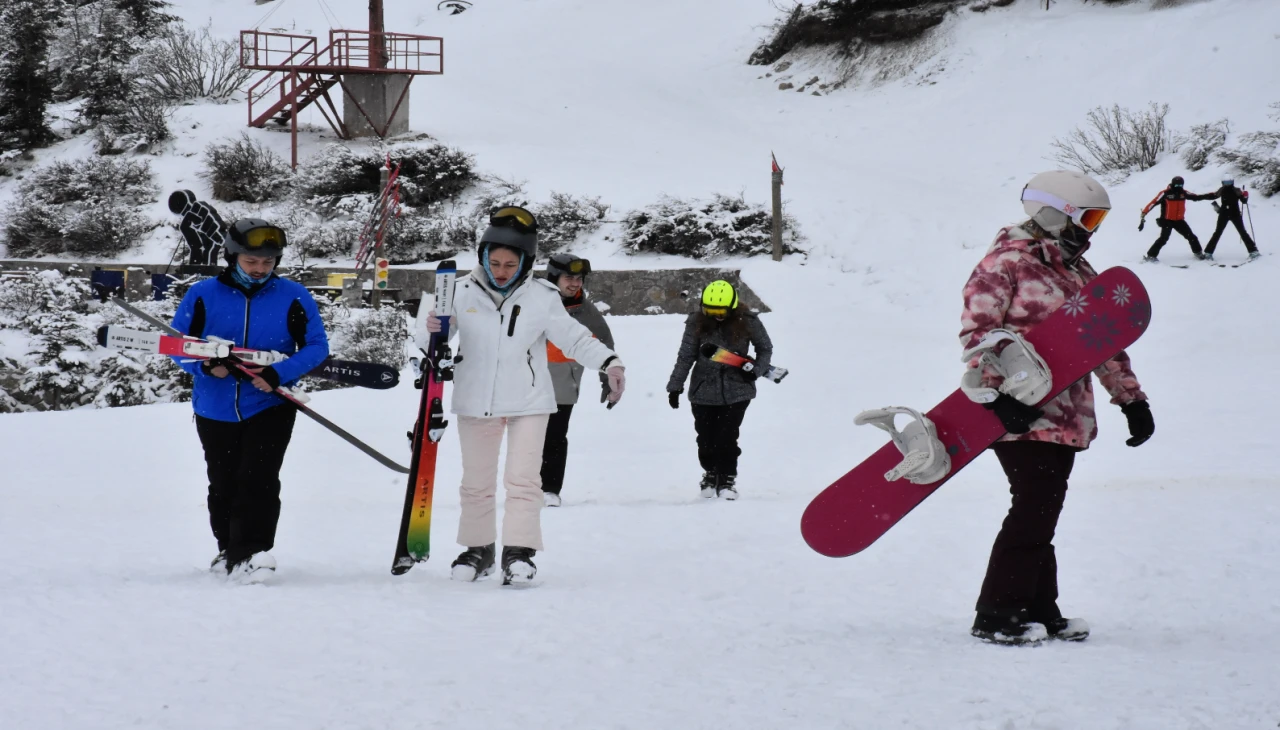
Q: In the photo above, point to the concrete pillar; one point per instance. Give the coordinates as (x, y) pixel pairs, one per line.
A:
(377, 95)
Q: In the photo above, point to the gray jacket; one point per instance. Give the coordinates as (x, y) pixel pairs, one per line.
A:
(566, 374)
(714, 384)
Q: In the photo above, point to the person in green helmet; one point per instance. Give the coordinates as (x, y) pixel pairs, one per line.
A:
(719, 394)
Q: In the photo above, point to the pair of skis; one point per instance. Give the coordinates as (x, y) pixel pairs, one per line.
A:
(299, 400)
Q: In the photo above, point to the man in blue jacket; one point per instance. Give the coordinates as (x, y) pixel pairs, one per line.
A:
(243, 424)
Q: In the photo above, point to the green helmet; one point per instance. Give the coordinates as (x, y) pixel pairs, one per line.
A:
(719, 295)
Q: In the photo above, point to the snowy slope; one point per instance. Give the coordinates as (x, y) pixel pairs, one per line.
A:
(655, 609)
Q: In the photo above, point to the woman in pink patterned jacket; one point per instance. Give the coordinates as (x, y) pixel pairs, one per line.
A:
(1028, 273)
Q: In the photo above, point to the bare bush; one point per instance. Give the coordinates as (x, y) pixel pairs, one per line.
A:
(242, 169)
(1201, 142)
(191, 64)
(1116, 141)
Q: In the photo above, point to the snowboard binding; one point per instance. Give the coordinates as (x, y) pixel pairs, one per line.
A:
(1026, 376)
(925, 459)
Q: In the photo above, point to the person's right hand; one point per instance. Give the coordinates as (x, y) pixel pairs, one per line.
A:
(433, 323)
(674, 399)
(217, 367)
(1014, 415)
(1142, 223)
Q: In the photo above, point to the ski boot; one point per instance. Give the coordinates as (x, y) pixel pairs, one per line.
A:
(708, 485)
(257, 569)
(1207, 257)
(517, 565)
(219, 564)
(1008, 630)
(474, 563)
(1067, 629)
(550, 499)
(727, 489)
(1254, 255)
(1150, 260)
(1201, 256)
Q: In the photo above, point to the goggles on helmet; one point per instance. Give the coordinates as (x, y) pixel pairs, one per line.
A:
(1087, 218)
(715, 311)
(515, 217)
(259, 237)
(576, 267)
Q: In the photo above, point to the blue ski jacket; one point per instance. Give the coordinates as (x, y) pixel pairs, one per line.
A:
(280, 315)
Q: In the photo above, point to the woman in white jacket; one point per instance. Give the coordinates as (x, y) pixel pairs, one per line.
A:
(503, 318)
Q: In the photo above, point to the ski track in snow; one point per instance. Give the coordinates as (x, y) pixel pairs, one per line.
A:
(654, 608)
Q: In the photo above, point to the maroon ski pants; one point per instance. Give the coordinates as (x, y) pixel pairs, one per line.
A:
(1022, 574)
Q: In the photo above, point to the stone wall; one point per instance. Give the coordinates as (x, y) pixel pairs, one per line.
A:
(625, 291)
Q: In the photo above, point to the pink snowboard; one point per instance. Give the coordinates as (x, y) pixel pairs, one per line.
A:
(1109, 314)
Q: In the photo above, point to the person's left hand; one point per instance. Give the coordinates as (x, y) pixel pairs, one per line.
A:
(617, 383)
(264, 379)
(1141, 424)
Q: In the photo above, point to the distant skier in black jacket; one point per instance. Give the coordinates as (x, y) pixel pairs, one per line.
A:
(1229, 212)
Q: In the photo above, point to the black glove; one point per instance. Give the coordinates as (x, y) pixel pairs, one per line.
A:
(270, 375)
(1016, 416)
(1141, 424)
(227, 362)
(674, 398)
(1142, 223)
(750, 375)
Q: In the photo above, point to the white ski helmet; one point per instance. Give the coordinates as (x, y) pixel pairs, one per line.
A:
(1058, 197)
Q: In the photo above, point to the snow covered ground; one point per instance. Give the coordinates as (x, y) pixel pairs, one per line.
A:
(655, 608)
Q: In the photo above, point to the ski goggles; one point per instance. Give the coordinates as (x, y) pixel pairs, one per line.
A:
(259, 237)
(514, 217)
(1087, 218)
(715, 311)
(577, 267)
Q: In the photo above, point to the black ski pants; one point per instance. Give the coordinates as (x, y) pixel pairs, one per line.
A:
(244, 460)
(555, 449)
(1167, 227)
(1022, 574)
(718, 428)
(1235, 218)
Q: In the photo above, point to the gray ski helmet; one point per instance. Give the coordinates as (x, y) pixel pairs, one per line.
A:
(1057, 198)
(1229, 181)
(180, 201)
(515, 228)
(566, 263)
(255, 237)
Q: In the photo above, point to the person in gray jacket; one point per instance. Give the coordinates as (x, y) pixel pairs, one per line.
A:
(719, 394)
(569, 273)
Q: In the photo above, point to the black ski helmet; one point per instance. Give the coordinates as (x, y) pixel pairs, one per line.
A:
(255, 237)
(566, 263)
(1177, 181)
(515, 228)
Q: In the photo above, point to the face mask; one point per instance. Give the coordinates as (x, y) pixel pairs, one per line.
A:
(243, 279)
(1073, 241)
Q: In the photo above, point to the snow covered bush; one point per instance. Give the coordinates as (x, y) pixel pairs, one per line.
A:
(428, 174)
(59, 365)
(565, 218)
(1116, 141)
(429, 234)
(703, 230)
(142, 122)
(181, 64)
(1256, 158)
(844, 23)
(242, 169)
(1201, 142)
(86, 207)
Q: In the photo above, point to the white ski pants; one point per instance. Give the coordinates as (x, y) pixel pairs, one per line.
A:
(481, 439)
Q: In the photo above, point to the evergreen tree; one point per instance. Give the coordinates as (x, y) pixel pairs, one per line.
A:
(109, 79)
(148, 15)
(26, 86)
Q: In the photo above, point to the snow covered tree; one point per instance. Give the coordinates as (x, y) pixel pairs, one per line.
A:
(107, 45)
(26, 87)
(148, 16)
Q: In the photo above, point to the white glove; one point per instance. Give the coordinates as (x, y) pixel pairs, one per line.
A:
(617, 383)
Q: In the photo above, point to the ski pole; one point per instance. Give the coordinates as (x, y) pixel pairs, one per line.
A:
(1249, 211)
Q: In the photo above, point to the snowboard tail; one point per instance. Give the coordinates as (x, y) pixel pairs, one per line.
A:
(1108, 314)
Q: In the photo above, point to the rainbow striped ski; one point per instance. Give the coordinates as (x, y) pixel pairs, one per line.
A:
(414, 543)
(718, 354)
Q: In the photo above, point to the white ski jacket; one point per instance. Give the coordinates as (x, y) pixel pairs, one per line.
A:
(501, 355)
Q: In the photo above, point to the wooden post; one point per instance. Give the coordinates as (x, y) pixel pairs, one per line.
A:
(379, 251)
(777, 210)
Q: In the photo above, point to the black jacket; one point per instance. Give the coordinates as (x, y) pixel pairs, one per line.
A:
(714, 384)
(1231, 196)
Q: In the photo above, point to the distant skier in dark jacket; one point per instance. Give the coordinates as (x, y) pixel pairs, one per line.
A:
(569, 273)
(1229, 212)
(1173, 217)
(719, 394)
(244, 426)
